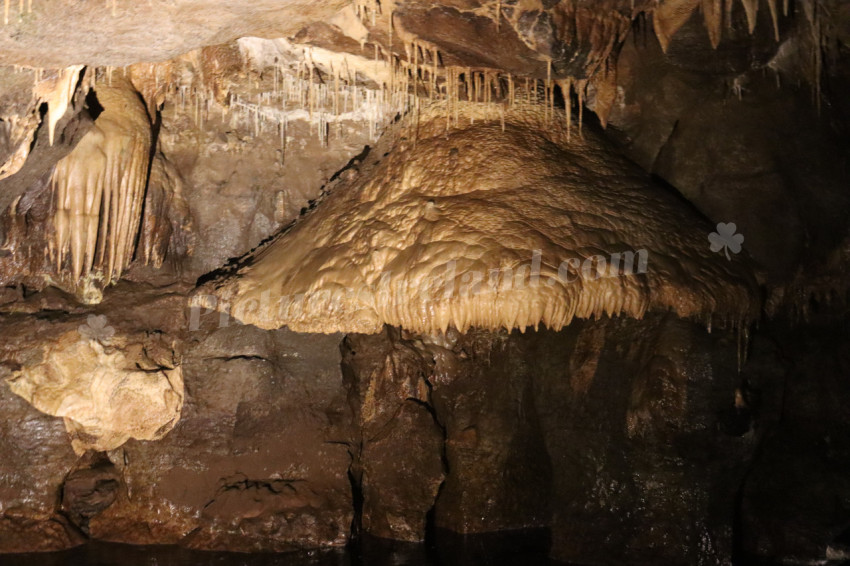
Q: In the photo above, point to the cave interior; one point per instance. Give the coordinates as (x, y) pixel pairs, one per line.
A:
(428, 282)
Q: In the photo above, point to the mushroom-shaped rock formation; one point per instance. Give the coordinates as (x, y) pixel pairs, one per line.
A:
(487, 223)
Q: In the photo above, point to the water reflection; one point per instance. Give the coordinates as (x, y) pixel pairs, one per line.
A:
(447, 549)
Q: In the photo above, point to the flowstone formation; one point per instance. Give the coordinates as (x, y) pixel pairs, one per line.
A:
(99, 190)
(438, 231)
(90, 379)
(464, 228)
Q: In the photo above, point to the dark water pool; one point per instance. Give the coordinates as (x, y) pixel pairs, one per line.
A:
(526, 549)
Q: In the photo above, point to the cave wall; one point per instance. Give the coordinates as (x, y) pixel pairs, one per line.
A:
(640, 434)
(258, 460)
(475, 433)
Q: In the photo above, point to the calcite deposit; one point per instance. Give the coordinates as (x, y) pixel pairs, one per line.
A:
(491, 224)
(106, 389)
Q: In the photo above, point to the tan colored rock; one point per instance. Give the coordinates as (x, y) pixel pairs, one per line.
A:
(488, 225)
(47, 32)
(99, 189)
(55, 88)
(669, 16)
(106, 390)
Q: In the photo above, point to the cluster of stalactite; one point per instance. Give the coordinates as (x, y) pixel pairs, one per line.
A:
(105, 206)
(99, 189)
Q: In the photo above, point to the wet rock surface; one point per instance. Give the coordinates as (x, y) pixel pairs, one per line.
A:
(398, 467)
(259, 460)
(794, 502)
(639, 455)
(639, 434)
(261, 449)
(36, 457)
(499, 471)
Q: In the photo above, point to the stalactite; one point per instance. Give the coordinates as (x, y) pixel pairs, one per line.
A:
(669, 16)
(713, 15)
(751, 8)
(810, 8)
(581, 89)
(98, 190)
(566, 90)
(774, 16)
(435, 56)
(327, 92)
(548, 90)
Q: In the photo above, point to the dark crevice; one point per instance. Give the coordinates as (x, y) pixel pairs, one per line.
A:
(355, 449)
(431, 516)
(353, 163)
(42, 114)
(93, 105)
(156, 127)
(356, 500)
(87, 491)
(246, 357)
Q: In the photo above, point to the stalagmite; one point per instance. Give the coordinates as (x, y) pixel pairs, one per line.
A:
(98, 190)
(526, 215)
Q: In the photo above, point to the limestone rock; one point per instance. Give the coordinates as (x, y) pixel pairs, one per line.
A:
(107, 391)
(479, 225)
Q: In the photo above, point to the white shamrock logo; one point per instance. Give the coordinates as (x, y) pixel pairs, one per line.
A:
(96, 329)
(726, 239)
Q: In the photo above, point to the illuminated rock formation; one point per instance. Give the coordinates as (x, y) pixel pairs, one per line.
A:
(99, 189)
(107, 389)
(56, 91)
(487, 225)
